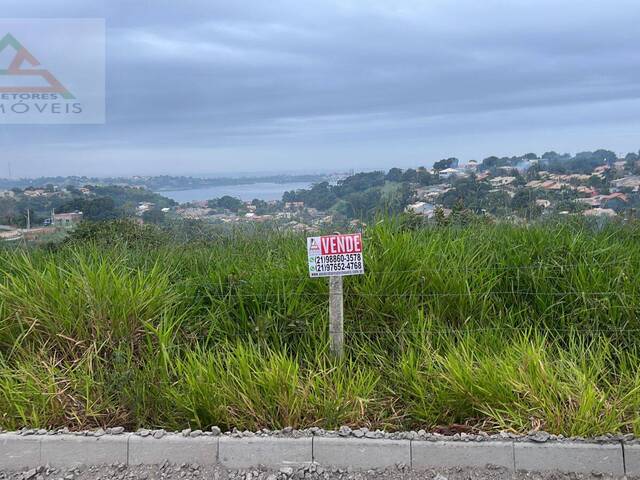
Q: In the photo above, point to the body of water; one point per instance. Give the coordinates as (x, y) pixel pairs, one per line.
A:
(262, 191)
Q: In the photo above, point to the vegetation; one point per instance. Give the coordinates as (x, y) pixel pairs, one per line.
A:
(520, 188)
(364, 195)
(492, 326)
(96, 203)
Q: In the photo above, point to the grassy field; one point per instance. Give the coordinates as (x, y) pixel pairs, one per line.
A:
(496, 327)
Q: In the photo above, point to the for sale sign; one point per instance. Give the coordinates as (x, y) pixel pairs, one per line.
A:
(331, 255)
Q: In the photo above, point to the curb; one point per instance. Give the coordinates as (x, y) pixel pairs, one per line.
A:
(64, 450)
(361, 454)
(237, 453)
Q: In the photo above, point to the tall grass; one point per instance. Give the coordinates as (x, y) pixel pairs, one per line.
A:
(497, 327)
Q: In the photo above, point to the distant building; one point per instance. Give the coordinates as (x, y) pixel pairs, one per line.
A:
(599, 212)
(294, 205)
(615, 201)
(507, 170)
(431, 192)
(502, 181)
(422, 208)
(145, 207)
(471, 165)
(194, 213)
(601, 170)
(593, 202)
(66, 220)
(448, 172)
(34, 193)
(586, 190)
(632, 181)
(547, 185)
(619, 166)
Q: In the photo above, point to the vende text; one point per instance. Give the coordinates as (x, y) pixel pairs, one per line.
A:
(337, 244)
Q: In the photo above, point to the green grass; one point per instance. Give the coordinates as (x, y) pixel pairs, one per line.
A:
(495, 326)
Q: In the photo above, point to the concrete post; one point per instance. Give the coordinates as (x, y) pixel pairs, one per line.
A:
(336, 316)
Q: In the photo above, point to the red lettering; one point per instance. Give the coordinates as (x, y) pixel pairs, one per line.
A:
(338, 244)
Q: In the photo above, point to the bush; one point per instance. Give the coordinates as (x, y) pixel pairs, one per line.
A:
(117, 232)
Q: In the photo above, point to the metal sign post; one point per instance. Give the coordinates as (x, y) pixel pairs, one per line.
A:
(335, 256)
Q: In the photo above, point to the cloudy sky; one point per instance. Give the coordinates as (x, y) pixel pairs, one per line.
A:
(212, 86)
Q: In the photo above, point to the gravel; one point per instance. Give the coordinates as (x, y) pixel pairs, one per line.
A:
(181, 472)
(346, 431)
(311, 472)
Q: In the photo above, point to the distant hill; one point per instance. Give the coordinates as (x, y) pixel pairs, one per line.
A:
(157, 182)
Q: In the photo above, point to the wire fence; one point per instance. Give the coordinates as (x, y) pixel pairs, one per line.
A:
(621, 293)
(430, 295)
(428, 331)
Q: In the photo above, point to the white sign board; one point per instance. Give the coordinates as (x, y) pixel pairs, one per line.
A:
(332, 255)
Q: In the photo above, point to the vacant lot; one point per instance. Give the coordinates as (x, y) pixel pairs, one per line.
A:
(490, 327)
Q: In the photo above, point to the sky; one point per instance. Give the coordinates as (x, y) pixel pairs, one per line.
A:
(205, 87)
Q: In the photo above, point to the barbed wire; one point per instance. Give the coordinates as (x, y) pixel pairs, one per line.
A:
(427, 330)
(241, 277)
(425, 295)
(354, 286)
(418, 268)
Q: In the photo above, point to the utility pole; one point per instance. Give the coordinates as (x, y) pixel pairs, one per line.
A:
(336, 316)
(28, 219)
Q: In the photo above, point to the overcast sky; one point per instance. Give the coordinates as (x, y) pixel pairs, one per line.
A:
(211, 86)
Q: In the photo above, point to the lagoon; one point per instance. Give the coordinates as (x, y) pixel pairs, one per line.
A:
(245, 192)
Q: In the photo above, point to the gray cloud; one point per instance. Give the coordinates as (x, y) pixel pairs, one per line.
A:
(204, 86)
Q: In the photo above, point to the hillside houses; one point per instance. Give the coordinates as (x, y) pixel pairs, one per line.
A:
(631, 182)
(432, 192)
(613, 201)
(514, 188)
(606, 190)
(547, 185)
(501, 181)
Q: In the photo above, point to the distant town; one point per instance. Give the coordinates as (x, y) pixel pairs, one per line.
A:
(600, 184)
